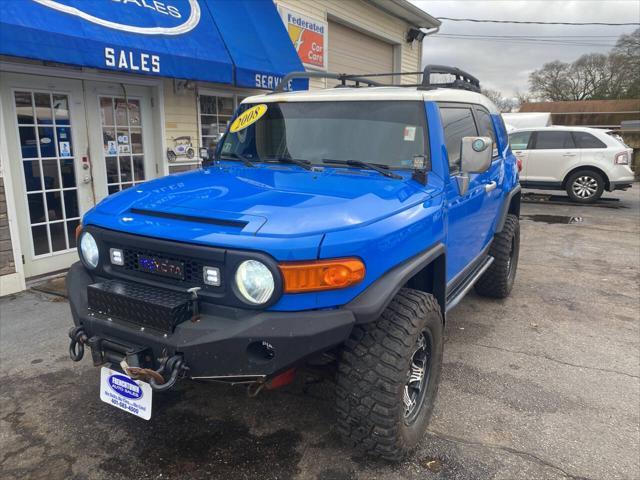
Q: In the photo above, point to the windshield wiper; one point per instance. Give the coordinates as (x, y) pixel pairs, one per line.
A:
(306, 164)
(242, 158)
(381, 169)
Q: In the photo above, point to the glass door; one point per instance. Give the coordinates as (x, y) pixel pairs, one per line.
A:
(120, 135)
(46, 137)
(122, 143)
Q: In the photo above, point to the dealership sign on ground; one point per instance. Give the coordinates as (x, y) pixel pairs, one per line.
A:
(309, 37)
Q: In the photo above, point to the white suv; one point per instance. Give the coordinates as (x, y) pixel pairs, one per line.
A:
(583, 161)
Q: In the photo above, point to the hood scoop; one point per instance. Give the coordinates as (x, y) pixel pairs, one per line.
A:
(197, 220)
(191, 218)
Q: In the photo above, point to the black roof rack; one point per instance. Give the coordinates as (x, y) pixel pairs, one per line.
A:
(462, 80)
(342, 77)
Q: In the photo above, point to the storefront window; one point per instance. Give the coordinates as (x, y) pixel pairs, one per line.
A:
(215, 113)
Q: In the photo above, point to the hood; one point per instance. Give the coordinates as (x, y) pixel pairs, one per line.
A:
(274, 200)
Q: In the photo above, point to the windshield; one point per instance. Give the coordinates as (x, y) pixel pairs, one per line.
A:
(381, 132)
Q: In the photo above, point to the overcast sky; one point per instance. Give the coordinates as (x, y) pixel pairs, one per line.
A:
(505, 65)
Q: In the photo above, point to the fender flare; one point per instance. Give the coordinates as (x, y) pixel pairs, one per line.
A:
(504, 210)
(369, 305)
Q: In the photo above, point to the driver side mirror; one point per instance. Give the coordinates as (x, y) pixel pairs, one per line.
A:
(476, 154)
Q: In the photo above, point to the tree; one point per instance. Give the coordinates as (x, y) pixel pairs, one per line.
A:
(520, 99)
(503, 104)
(592, 76)
(627, 53)
(551, 82)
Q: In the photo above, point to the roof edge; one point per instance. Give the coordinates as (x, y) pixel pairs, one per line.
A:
(408, 12)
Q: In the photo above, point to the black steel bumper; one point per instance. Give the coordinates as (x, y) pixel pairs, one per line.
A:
(224, 343)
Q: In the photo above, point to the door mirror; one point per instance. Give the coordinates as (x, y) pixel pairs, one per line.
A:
(476, 154)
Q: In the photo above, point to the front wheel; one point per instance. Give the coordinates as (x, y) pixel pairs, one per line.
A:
(388, 377)
(585, 186)
(498, 280)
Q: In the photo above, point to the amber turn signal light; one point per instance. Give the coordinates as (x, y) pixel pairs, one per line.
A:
(321, 274)
(78, 230)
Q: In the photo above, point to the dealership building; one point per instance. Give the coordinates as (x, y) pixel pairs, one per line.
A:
(96, 97)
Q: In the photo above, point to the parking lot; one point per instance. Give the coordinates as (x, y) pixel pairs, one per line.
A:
(543, 385)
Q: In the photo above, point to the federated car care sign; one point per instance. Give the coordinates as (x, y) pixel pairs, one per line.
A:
(122, 392)
(248, 117)
(309, 37)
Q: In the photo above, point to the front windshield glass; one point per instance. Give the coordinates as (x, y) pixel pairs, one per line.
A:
(382, 132)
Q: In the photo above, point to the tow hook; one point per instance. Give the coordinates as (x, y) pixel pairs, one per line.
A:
(76, 347)
(161, 379)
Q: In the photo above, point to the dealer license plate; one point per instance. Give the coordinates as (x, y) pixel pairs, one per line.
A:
(123, 392)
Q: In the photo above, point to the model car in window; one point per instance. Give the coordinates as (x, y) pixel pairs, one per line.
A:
(334, 227)
(583, 161)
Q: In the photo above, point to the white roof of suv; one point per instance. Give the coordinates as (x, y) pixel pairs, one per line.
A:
(376, 93)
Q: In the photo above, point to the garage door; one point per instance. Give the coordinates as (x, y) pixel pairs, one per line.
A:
(351, 51)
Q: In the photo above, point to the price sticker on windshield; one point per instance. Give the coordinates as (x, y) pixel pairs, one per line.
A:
(248, 117)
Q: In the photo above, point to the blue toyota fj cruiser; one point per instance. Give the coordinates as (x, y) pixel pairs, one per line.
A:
(332, 227)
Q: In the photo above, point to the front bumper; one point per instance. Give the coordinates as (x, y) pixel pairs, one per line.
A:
(225, 343)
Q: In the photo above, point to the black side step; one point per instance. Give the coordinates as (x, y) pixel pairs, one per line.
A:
(461, 290)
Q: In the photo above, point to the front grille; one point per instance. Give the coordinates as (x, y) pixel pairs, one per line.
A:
(192, 267)
(192, 258)
(151, 307)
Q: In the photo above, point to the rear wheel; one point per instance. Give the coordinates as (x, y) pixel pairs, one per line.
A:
(388, 377)
(585, 186)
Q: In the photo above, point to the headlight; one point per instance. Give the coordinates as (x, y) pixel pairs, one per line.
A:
(89, 250)
(255, 282)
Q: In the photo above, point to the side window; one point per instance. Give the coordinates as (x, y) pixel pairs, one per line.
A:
(457, 122)
(552, 140)
(485, 128)
(519, 140)
(586, 140)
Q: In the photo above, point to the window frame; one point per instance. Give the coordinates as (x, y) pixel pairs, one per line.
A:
(575, 141)
(476, 108)
(529, 145)
(535, 140)
(458, 105)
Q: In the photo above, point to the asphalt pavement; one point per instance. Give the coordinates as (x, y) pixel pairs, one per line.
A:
(542, 385)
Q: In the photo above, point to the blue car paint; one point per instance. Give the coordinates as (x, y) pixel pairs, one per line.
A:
(294, 214)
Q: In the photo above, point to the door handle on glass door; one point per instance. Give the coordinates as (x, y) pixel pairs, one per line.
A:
(490, 186)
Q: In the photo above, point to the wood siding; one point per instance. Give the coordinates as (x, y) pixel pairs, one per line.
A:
(7, 262)
(180, 113)
(365, 17)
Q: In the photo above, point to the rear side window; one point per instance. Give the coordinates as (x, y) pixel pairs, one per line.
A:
(457, 122)
(519, 140)
(586, 140)
(485, 127)
(546, 140)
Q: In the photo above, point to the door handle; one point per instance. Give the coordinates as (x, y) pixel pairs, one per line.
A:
(569, 154)
(490, 186)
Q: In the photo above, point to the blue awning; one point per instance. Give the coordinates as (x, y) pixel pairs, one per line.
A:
(258, 42)
(239, 42)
